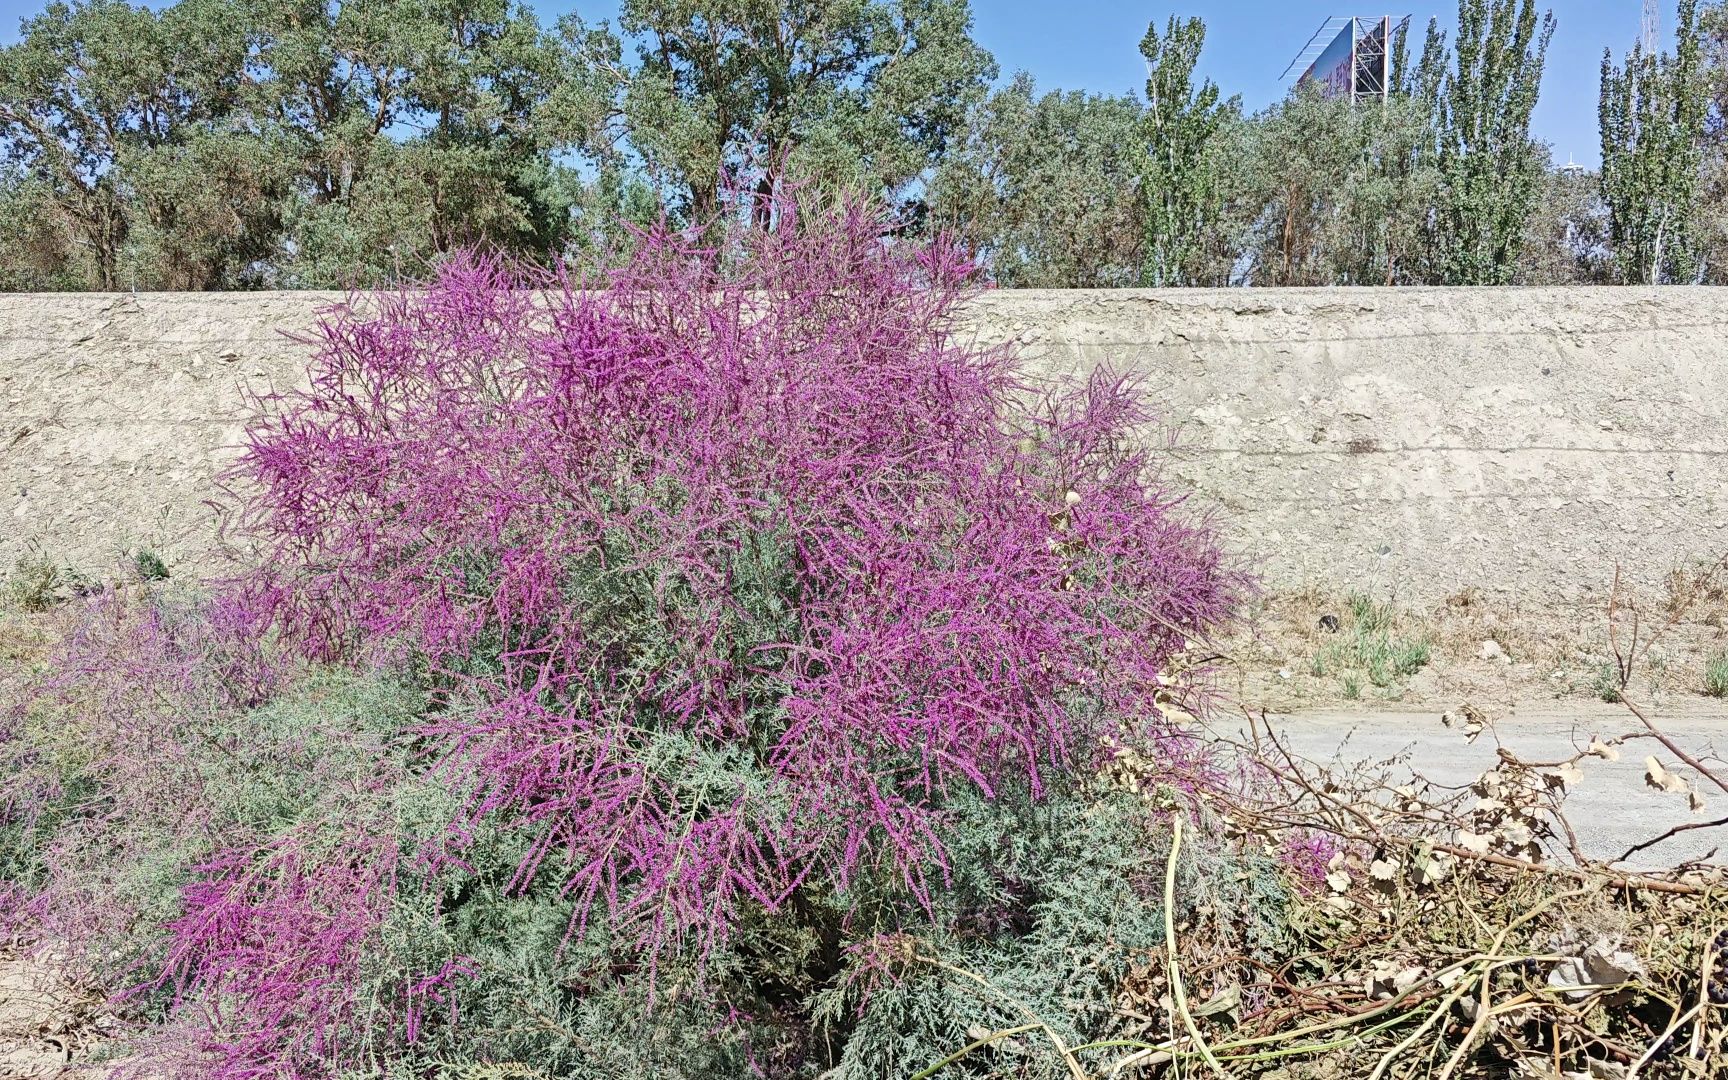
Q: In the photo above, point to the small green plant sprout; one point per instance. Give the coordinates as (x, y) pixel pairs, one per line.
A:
(1716, 675)
(1367, 648)
(149, 566)
(1606, 685)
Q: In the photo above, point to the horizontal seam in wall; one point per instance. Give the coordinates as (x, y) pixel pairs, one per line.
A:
(1502, 333)
(1351, 338)
(41, 339)
(49, 423)
(1389, 451)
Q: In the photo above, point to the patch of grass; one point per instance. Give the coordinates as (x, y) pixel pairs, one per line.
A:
(22, 641)
(35, 584)
(1368, 648)
(1606, 684)
(149, 566)
(1699, 592)
(1369, 617)
(1716, 675)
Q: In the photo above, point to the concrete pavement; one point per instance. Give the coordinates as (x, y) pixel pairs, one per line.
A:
(1612, 808)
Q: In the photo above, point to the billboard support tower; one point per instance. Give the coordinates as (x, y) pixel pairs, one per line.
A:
(1650, 27)
(1350, 56)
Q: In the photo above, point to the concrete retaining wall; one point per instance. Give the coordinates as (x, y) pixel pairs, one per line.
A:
(1422, 441)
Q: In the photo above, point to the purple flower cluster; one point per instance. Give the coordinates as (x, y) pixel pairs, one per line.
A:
(1308, 855)
(129, 694)
(271, 946)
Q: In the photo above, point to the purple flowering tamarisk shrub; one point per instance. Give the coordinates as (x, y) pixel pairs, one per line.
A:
(192, 820)
(783, 515)
(106, 728)
(729, 586)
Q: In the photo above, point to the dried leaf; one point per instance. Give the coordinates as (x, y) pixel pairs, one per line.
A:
(1178, 716)
(1387, 978)
(1567, 776)
(1228, 999)
(1469, 841)
(1662, 779)
(1604, 964)
(1516, 834)
(1467, 719)
(1433, 868)
(1607, 751)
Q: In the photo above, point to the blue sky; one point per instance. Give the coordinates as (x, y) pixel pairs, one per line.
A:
(1091, 45)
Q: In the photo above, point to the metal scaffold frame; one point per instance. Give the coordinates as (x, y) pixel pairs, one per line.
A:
(1350, 56)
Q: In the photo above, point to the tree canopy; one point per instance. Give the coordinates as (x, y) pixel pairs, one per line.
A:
(211, 144)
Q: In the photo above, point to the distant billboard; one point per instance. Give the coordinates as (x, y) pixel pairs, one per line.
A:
(1335, 68)
(1356, 63)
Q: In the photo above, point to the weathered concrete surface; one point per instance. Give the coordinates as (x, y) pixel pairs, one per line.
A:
(1521, 441)
(117, 411)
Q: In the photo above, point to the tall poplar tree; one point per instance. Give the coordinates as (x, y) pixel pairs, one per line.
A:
(1652, 115)
(1182, 120)
(1490, 168)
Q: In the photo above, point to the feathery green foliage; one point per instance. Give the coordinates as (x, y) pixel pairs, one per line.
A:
(1652, 117)
(1490, 168)
(1053, 900)
(1180, 184)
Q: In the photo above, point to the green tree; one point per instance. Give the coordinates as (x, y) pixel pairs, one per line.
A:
(413, 126)
(1343, 188)
(1713, 44)
(206, 210)
(226, 143)
(1653, 114)
(1482, 92)
(1048, 188)
(1182, 120)
(863, 93)
(97, 86)
(1566, 234)
(38, 249)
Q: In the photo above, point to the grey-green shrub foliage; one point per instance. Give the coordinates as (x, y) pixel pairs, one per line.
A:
(1054, 902)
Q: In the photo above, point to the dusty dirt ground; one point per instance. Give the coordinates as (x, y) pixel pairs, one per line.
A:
(1310, 651)
(47, 1027)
